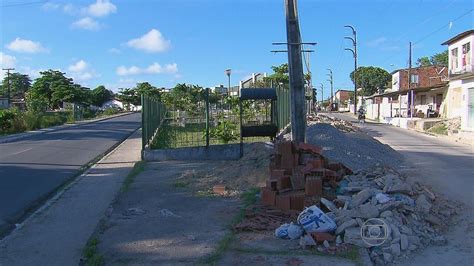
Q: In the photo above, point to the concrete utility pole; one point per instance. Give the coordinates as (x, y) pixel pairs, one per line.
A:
(409, 82)
(331, 82)
(228, 72)
(295, 69)
(322, 94)
(8, 80)
(354, 52)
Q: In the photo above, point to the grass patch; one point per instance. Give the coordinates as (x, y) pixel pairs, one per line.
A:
(180, 184)
(137, 169)
(248, 198)
(91, 253)
(440, 129)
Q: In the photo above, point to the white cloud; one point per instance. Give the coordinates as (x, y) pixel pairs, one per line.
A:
(152, 42)
(81, 71)
(114, 51)
(51, 6)
(69, 9)
(154, 68)
(86, 23)
(25, 46)
(377, 42)
(7, 61)
(33, 73)
(100, 8)
(79, 66)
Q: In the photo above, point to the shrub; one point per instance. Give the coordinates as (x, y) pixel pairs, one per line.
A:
(6, 120)
(32, 120)
(111, 111)
(225, 132)
(54, 119)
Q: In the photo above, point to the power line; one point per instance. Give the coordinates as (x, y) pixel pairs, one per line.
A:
(25, 3)
(442, 27)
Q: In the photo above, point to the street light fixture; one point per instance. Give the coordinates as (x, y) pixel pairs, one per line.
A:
(228, 72)
(322, 94)
(354, 53)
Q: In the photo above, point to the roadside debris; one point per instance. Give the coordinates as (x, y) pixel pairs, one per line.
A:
(375, 208)
(335, 122)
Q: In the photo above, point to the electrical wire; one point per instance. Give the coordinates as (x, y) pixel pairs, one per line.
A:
(25, 3)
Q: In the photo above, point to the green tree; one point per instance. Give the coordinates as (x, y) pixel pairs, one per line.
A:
(147, 89)
(440, 58)
(129, 96)
(100, 95)
(19, 85)
(51, 81)
(371, 78)
(423, 61)
(280, 75)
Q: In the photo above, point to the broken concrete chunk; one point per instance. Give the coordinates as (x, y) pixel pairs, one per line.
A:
(344, 226)
(353, 236)
(423, 204)
(367, 211)
(395, 249)
(400, 187)
(361, 197)
(387, 257)
(386, 214)
(403, 242)
(329, 204)
(434, 220)
(438, 240)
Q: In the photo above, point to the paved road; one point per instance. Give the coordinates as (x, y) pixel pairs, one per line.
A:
(32, 168)
(449, 168)
(445, 165)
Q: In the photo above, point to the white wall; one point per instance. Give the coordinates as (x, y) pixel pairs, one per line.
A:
(460, 68)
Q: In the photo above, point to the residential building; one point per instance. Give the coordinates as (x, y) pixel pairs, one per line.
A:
(460, 96)
(341, 97)
(219, 90)
(253, 80)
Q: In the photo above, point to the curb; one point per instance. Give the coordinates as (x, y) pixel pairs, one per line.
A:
(20, 136)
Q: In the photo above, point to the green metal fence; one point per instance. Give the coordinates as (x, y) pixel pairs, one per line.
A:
(283, 106)
(208, 120)
(153, 114)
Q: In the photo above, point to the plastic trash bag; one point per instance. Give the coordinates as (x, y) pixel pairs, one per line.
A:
(289, 231)
(314, 220)
(382, 198)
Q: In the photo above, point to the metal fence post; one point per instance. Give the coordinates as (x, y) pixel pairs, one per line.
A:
(207, 117)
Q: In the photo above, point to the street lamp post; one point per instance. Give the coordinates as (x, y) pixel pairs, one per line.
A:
(228, 72)
(354, 53)
(322, 95)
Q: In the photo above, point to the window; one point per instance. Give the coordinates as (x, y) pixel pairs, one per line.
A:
(422, 99)
(466, 55)
(454, 58)
(414, 78)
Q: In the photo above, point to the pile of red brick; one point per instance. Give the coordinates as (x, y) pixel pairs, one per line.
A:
(300, 176)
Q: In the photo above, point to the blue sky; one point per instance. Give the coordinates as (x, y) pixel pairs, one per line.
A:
(120, 42)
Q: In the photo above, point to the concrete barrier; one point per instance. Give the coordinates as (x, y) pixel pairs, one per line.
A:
(213, 152)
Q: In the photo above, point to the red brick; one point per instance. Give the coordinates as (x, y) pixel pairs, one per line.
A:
(314, 186)
(277, 173)
(321, 237)
(272, 184)
(219, 189)
(283, 202)
(298, 178)
(316, 163)
(285, 148)
(268, 197)
(306, 147)
(284, 182)
(297, 202)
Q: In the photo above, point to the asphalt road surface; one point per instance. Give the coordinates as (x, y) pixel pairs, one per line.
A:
(445, 165)
(32, 168)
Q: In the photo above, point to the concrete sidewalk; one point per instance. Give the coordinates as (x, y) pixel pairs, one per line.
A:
(57, 232)
(20, 136)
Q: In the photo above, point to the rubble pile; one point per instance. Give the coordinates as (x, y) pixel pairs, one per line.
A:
(342, 125)
(300, 176)
(454, 125)
(407, 218)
